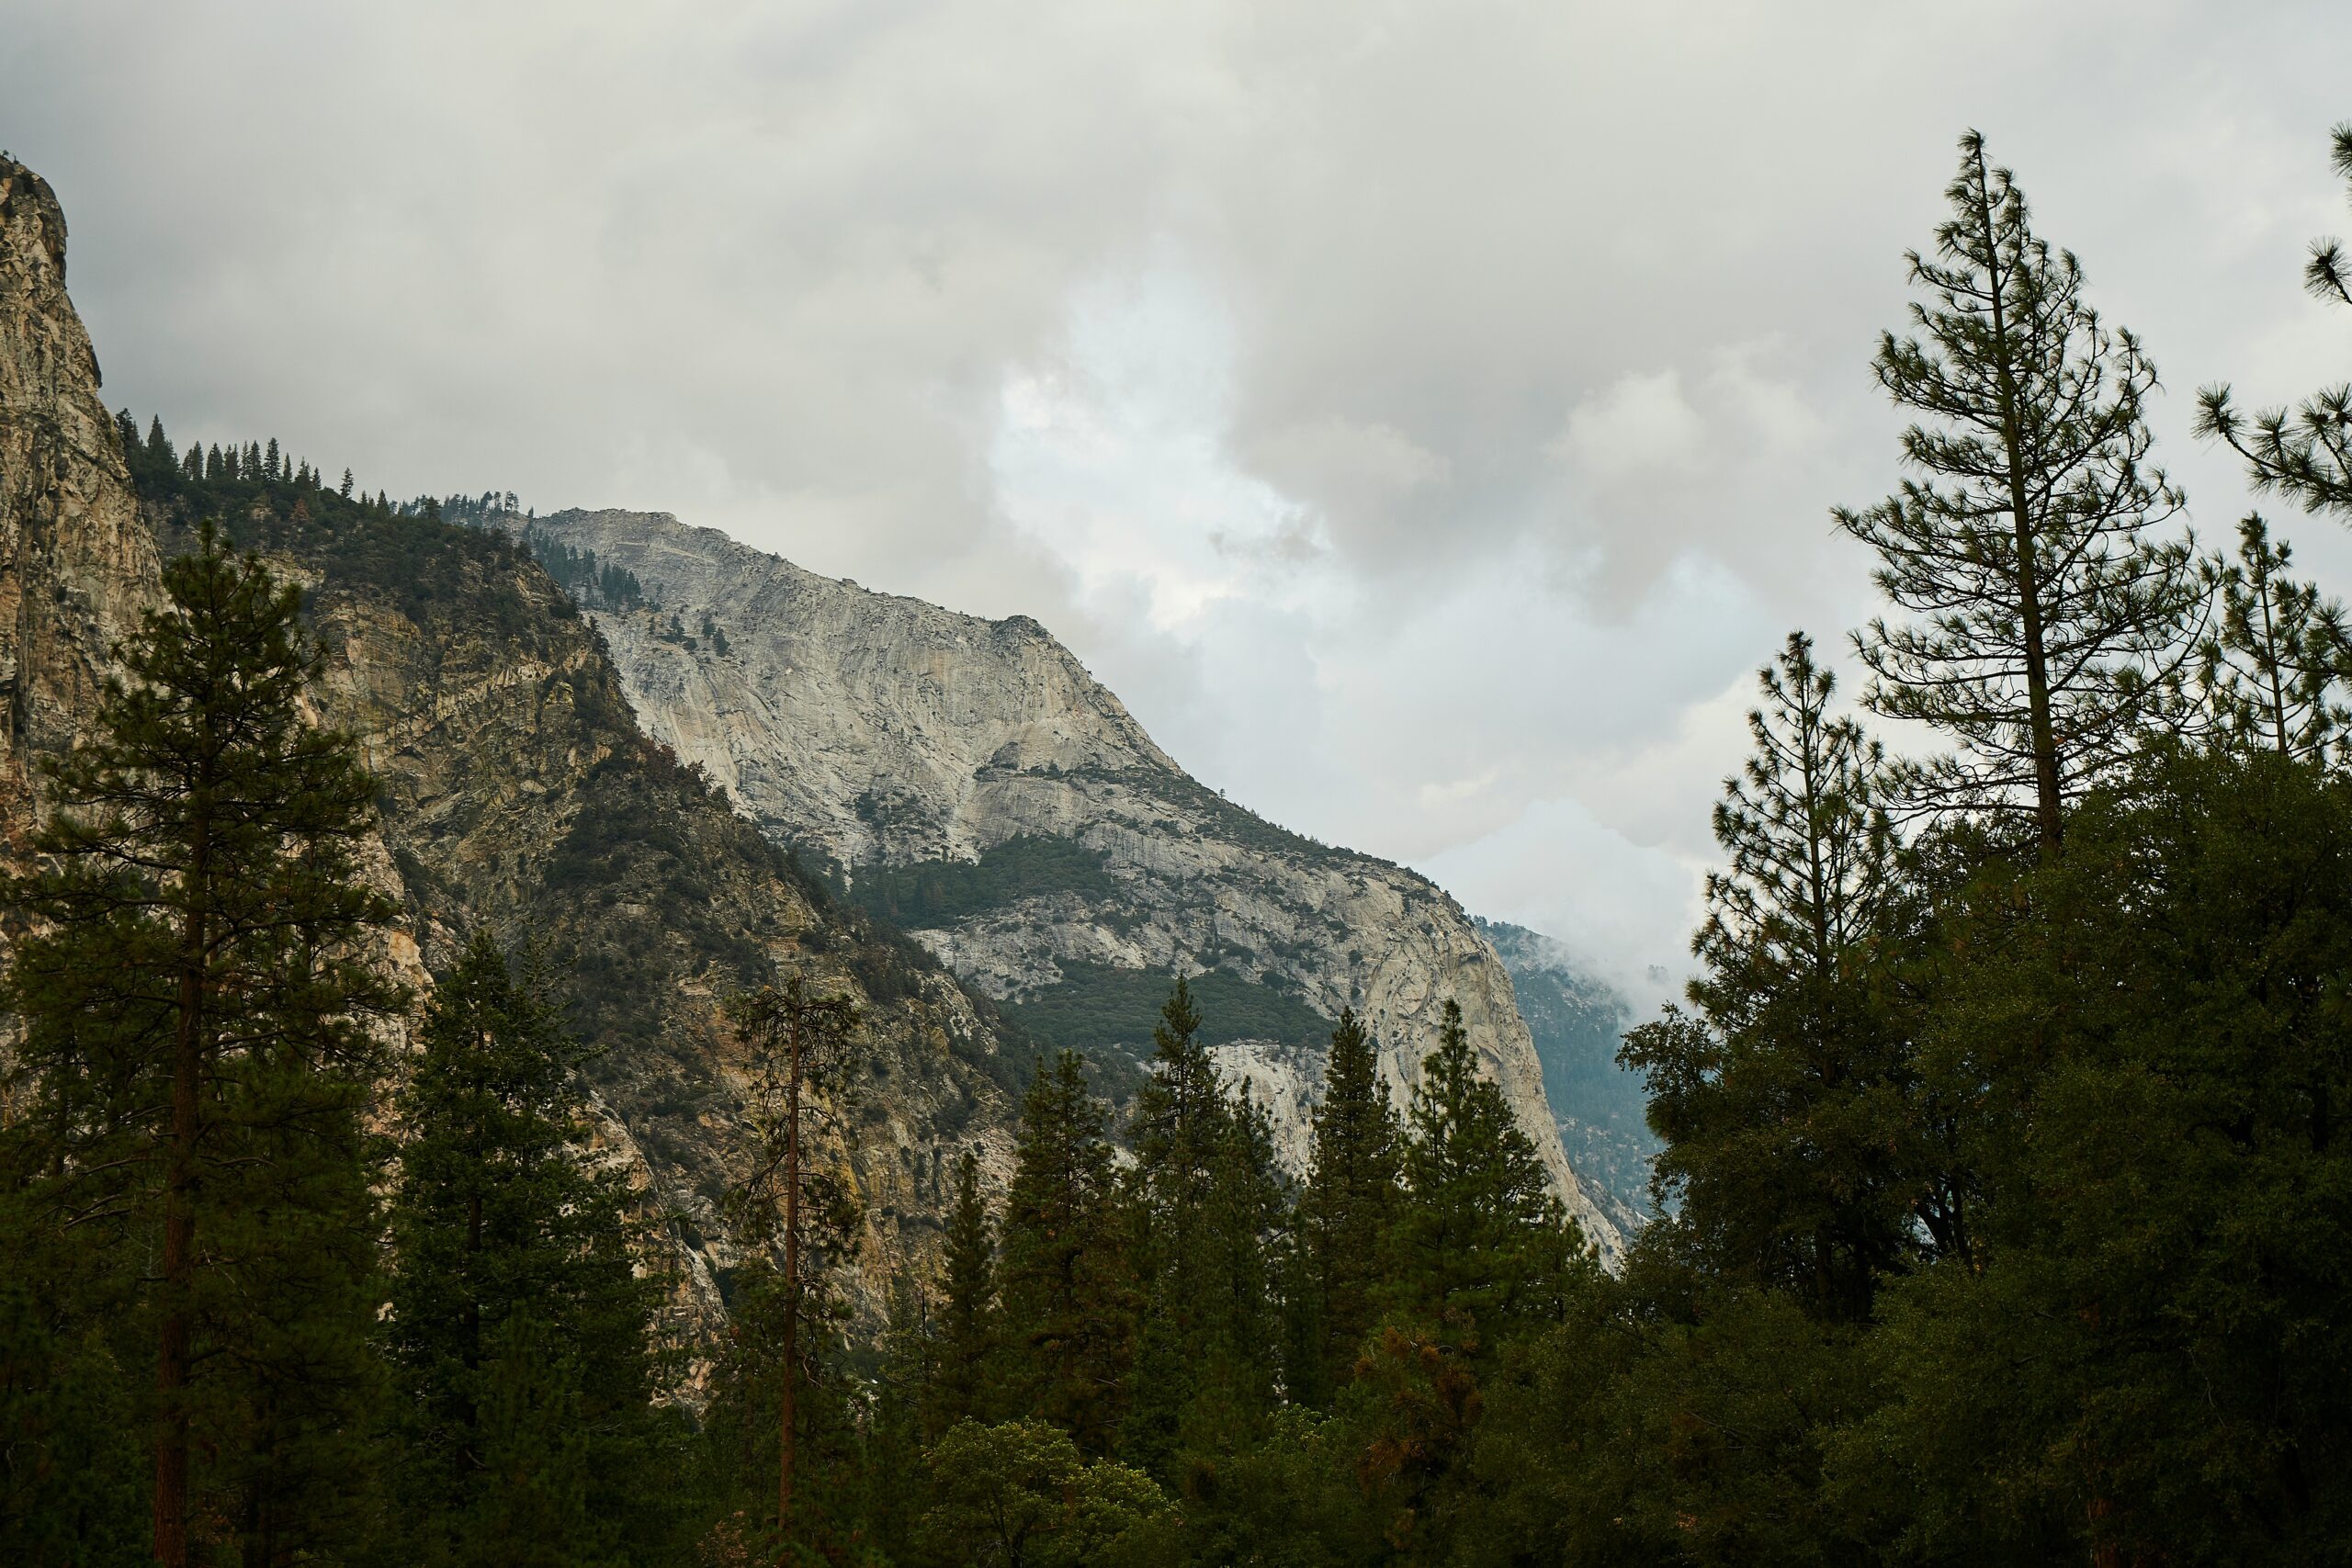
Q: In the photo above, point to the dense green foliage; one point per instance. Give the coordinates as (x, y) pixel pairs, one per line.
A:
(518, 1325)
(1102, 1009)
(938, 893)
(605, 587)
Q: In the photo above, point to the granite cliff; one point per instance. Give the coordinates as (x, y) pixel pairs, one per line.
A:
(969, 779)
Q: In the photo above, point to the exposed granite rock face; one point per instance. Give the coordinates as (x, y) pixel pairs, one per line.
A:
(882, 731)
(518, 795)
(76, 565)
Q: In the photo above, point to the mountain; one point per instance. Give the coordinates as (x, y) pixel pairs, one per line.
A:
(1577, 1020)
(517, 792)
(969, 780)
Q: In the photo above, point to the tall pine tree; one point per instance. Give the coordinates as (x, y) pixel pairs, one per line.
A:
(516, 1295)
(1786, 1103)
(2045, 613)
(196, 1002)
(1068, 1303)
(1480, 1246)
(1345, 1211)
(965, 1348)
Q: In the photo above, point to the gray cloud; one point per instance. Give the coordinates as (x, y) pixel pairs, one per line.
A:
(1426, 414)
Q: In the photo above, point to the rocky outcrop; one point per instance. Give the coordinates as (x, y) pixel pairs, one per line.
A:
(77, 567)
(880, 733)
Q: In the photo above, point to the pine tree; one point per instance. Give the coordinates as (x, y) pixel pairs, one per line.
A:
(1067, 1302)
(195, 1007)
(508, 1244)
(2306, 456)
(1786, 1103)
(964, 1352)
(1178, 1127)
(799, 1039)
(343, 490)
(269, 463)
(2046, 616)
(159, 445)
(2273, 673)
(1479, 1246)
(1245, 1234)
(1344, 1211)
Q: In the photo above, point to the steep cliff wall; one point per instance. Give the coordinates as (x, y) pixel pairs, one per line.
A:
(76, 565)
(889, 735)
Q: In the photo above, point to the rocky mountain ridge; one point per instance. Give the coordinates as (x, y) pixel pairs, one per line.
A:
(972, 779)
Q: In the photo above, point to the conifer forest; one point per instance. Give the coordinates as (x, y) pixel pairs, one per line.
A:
(622, 1186)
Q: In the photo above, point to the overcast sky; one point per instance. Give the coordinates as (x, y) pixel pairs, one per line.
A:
(1425, 416)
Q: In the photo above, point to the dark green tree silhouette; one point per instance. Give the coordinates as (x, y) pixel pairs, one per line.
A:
(1345, 1211)
(1788, 1102)
(1480, 1246)
(1069, 1304)
(508, 1242)
(965, 1369)
(195, 1000)
(2273, 672)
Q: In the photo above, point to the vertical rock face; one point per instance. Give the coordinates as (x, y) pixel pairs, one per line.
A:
(928, 754)
(76, 565)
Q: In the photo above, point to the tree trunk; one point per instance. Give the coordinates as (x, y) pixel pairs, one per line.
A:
(179, 1225)
(2048, 823)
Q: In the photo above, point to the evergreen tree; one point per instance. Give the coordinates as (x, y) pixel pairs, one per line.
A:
(1069, 1305)
(269, 463)
(2273, 673)
(159, 446)
(1022, 1495)
(801, 1042)
(1787, 1103)
(1344, 1211)
(2139, 1361)
(195, 1007)
(1480, 1246)
(509, 1244)
(2046, 616)
(1181, 1137)
(343, 490)
(2306, 456)
(1245, 1235)
(961, 1384)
